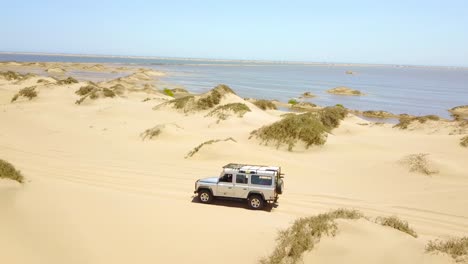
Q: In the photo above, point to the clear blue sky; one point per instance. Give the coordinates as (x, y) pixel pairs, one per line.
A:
(394, 32)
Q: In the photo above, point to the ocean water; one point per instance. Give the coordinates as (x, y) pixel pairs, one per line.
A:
(397, 89)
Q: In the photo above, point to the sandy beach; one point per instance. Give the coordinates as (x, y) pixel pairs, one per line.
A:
(96, 191)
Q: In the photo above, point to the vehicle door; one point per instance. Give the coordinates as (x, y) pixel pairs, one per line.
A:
(241, 186)
(226, 185)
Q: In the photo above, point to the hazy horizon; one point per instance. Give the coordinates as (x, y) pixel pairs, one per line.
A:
(420, 33)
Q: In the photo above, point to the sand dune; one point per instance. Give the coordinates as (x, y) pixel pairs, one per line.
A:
(95, 192)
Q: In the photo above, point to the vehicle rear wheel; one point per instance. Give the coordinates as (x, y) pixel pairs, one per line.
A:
(205, 196)
(256, 202)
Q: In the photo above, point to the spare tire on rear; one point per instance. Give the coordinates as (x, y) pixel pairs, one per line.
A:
(279, 186)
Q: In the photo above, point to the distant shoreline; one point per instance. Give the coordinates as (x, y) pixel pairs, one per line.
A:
(305, 63)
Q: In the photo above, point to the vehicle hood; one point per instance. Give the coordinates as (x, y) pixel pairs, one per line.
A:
(209, 180)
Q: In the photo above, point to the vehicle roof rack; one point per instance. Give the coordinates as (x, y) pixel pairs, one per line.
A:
(238, 166)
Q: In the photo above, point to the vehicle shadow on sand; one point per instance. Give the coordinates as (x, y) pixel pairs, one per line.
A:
(234, 204)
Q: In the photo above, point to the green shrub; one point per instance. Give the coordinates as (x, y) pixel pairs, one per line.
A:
(304, 234)
(8, 171)
(396, 223)
(265, 104)
(69, 80)
(168, 92)
(464, 141)
(291, 129)
(28, 92)
(209, 142)
(339, 105)
(223, 111)
(292, 101)
(457, 248)
(331, 116)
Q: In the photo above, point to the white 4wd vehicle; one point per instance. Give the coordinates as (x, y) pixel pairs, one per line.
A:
(256, 184)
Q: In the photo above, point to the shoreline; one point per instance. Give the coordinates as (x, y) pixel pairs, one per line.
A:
(112, 67)
(305, 63)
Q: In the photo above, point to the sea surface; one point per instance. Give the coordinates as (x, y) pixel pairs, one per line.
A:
(398, 89)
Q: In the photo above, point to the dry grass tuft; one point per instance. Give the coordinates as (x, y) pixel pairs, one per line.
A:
(151, 133)
(212, 141)
(8, 171)
(222, 112)
(457, 248)
(69, 80)
(265, 104)
(419, 163)
(28, 92)
(396, 223)
(304, 234)
(464, 141)
(291, 129)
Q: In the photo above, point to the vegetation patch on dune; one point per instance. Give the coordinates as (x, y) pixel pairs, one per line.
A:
(331, 116)
(457, 248)
(378, 114)
(291, 129)
(202, 102)
(179, 90)
(303, 106)
(405, 121)
(304, 234)
(93, 92)
(419, 163)
(464, 141)
(459, 112)
(12, 76)
(396, 223)
(28, 92)
(209, 142)
(310, 128)
(265, 104)
(8, 171)
(69, 80)
(223, 112)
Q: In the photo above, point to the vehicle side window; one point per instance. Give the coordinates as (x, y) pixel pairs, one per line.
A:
(226, 178)
(261, 180)
(240, 178)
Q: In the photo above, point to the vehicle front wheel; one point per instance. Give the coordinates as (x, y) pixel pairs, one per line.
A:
(256, 202)
(205, 196)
